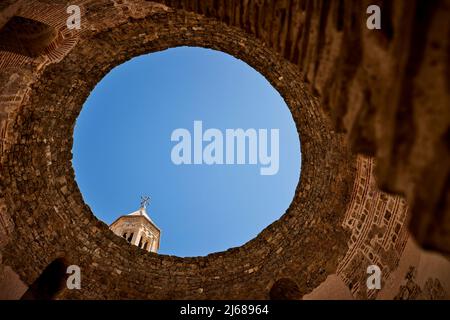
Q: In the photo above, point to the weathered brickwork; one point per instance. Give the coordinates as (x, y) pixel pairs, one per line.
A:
(51, 219)
(387, 89)
(338, 221)
(379, 231)
(410, 290)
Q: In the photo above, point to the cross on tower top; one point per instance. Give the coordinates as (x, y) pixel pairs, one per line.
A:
(144, 201)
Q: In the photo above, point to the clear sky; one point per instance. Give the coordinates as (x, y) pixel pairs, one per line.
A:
(122, 149)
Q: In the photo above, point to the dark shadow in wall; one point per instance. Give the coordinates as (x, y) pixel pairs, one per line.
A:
(285, 289)
(51, 282)
(26, 36)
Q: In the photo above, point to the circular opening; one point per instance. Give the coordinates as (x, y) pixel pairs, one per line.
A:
(52, 202)
(162, 125)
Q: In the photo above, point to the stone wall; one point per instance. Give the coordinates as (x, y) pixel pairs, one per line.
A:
(338, 219)
(387, 89)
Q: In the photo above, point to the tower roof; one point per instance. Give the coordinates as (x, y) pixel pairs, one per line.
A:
(142, 212)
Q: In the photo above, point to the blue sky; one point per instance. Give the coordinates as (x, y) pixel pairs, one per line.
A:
(122, 149)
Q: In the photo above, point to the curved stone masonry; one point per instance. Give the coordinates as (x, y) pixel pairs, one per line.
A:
(38, 168)
(337, 223)
(387, 90)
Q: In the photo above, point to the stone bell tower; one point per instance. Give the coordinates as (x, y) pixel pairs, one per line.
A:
(138, 229)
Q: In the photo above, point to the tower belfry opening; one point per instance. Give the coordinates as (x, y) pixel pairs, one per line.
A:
(138, 229)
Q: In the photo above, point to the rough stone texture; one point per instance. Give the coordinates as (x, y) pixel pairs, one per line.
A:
(338, 222)
(432, 290)
(378, 223)
(285, 289)
(379, 231)
(388, 89)
(26, 36)
(51, 219)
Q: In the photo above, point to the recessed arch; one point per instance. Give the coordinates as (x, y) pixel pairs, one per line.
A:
(285, 289)
(50, 283)
(26, 36)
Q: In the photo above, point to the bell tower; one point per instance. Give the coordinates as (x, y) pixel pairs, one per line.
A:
(138, 229)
